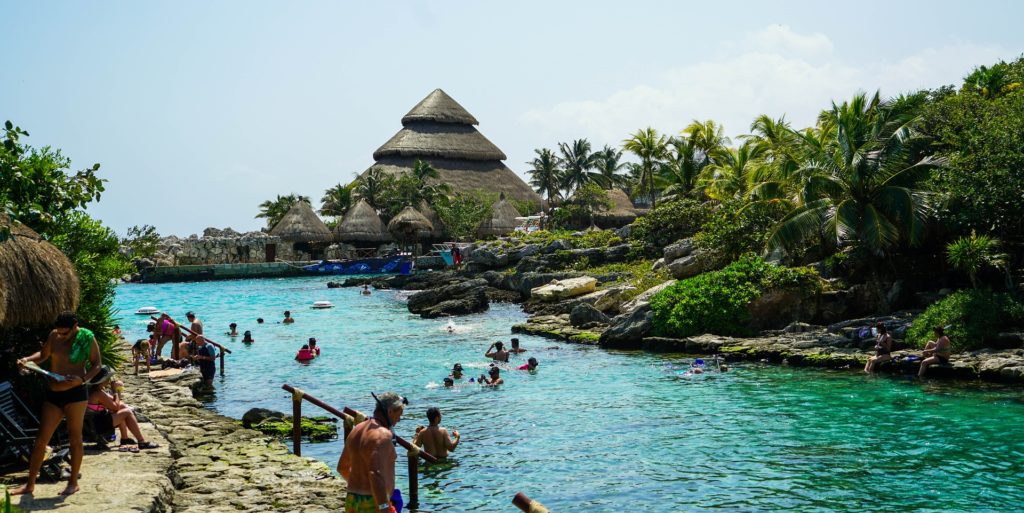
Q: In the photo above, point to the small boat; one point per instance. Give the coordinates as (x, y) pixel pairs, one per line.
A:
(323, 304)
(147, 310)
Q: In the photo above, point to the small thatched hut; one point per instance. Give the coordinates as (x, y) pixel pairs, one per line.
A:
(438, 230)
(410, 222)
(362, 224)
(502, 220)
(622, 212)
(307, 233)
(37, 281)
(440, 131)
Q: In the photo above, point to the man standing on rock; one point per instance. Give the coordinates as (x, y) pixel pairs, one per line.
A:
(368, 460)
(68, 348)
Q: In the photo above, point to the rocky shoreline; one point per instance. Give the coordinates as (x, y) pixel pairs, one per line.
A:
(219, 466)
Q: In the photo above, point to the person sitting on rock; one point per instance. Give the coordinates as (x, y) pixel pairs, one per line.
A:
(499, 354)
(287, 318)
(935, 351)
(883, 348)
(123, 416)
(434, 438)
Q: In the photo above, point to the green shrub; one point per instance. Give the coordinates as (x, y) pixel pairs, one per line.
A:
(736, 228)
(716, 302)
(971, 318)
(670, 222)
(578, 240)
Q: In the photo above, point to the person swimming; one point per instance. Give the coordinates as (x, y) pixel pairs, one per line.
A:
(457, 371)
(313, 348)
(259, 320)
(287, 318)
(304, 354)
(366, 290)
(449, 382)
(233, 330)
(530, 365)
(247, 337)
(495, 378)
(499, 354)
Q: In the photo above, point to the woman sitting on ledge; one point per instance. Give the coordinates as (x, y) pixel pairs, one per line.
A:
(123, 416)
(883, 348)
(935, 351)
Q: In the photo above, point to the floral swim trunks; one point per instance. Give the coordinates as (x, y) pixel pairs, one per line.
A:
(355, 503)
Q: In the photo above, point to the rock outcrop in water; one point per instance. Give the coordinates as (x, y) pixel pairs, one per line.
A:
(457, 299)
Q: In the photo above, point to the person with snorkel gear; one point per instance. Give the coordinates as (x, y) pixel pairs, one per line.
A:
(368, 460)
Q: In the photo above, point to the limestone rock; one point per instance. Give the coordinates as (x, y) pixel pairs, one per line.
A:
(562, 289)
(612, 299)
(528, 250)
(658, 264)
(584, 315)
(257, 415)
(678, 250)
(487, 258)
(628, 330)
(645, 296)
(617, 253)
(457, 299)
(524, 282)
(557, 245)
(685, 267)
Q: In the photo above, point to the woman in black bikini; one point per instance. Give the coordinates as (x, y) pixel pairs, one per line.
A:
(935, 351)
(883, 348)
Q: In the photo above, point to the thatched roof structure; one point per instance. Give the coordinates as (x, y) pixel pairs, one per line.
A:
(502, 220)
(362, 224)
(301, 224)
(439, 231)
(440, 131)
(410, 222)
(37, 281)
(622, 212)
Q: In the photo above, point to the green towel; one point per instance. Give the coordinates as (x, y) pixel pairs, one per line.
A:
(82, 346)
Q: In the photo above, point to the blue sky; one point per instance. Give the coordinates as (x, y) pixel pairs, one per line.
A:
(198, 111)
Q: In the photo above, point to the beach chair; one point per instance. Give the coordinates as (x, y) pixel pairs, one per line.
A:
(18, 430)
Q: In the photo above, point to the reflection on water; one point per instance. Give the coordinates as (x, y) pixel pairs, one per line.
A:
(605, 431)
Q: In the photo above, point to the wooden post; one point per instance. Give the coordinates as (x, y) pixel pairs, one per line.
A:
(296, 424)
(222, 363)
(414, 491)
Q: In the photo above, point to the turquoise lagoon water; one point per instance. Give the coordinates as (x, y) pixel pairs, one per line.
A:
(604, 431)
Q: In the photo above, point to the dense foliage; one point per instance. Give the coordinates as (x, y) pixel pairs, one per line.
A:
(670, 221)
(142, 241)
(970, 318)
(716, 302)
(734, 229)
(462, 213)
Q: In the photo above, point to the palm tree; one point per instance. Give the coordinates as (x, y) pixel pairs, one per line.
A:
(707, 137)
(337, 200)
(274, 210)
(545, 174)
(608, 163)
(678, 176)
(651, 148)
(990, 82)
(430, 193)
(423, 170)
(858, 186)
(373, 187)
(733, 171)
(577, 162)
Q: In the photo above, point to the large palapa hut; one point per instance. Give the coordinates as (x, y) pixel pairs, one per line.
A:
(307, 233)
(441, 132)
(37, 281)
(622, 212)
(362, 224)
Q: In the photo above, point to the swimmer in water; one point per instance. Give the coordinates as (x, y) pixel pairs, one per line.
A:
(247, 337)
(259, 320)
(287, 318)
(233, 330)
(530, 365)
(457, 371)
(434, 438)
(499, 354)
(515, 347)
(365, 291)
(448, 383)
(494, 380)
(451, 329)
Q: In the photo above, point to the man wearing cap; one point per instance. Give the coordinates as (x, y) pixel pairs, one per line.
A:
(68, 348)
(368, 460)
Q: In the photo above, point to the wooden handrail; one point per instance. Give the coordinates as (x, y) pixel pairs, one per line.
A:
(527, 504)
(178, 324)
(349, 412)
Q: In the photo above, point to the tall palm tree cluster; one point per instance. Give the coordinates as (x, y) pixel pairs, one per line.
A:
(853, 179)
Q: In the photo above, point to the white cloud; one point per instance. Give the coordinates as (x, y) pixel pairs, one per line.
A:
(772, 71)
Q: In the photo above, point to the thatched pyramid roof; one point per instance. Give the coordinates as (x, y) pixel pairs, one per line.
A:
(440, 131)
(37, 281)
(409, 222)
(301, 224)
(362, 224)
(440, 108)
(622, 212)
(502, 220)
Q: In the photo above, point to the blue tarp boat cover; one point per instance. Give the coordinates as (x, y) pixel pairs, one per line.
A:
(366, 266)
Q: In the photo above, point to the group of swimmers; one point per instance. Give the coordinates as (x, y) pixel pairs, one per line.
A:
(498, 354)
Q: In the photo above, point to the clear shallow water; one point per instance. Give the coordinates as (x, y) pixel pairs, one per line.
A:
(598, 430)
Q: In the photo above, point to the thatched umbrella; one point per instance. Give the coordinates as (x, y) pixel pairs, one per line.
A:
(362, 224)
(410, 223)
(502, 220)
(301, 224)
(37, 281)
(622, 212)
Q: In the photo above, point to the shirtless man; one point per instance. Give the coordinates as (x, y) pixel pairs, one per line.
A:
(287, 317)
(494, 381)
(499, 354)
(368, 460)
(515, 347)
(68, 348)
(434, 438)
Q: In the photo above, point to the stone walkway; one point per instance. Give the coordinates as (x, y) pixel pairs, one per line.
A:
(207, 463)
